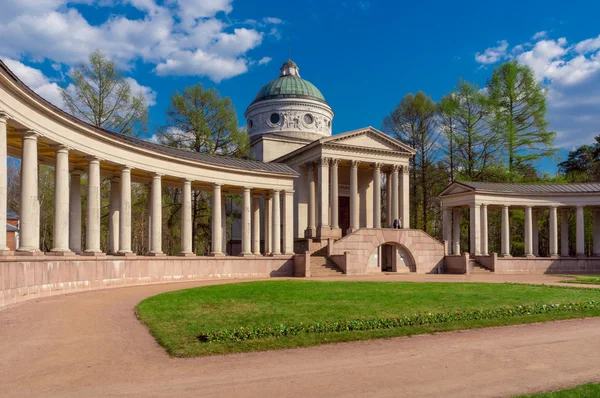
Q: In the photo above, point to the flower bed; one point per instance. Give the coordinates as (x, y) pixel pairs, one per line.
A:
(260, 332)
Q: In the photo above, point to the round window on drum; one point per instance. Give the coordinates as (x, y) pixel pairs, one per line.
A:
(275, 118)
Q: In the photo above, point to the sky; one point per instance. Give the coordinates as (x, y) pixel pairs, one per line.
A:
(364, 55)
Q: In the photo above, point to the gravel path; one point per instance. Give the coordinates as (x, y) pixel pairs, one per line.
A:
(91, 344)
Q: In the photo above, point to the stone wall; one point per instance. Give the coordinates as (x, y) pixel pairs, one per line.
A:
(546, 265)
(427, 253)
(26, 278)
(455, 264)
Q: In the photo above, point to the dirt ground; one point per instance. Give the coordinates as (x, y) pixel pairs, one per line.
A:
(91, 344)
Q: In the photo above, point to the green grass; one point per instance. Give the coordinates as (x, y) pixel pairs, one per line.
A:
(176, 318)
(584, 279)
(591, 390)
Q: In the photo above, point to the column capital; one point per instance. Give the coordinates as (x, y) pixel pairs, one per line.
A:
(484, 205)
(395, 168)
(248, 189)
(377, 165)
(61, 148)
(325, 161)
(217, 184)
(309, 165)
(405, 169)
(77, 172)
(4, 116)
(125, 167)
(354, 163)
(276, 191)
(31, 134)
(334, 162)
(93, 159)
(115, 178)
(157, 175)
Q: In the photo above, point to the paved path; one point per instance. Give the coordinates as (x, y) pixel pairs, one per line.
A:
(91, 344)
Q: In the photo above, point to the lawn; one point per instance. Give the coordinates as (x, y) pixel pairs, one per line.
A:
(584, 279)
(176, 318)
(591, 390)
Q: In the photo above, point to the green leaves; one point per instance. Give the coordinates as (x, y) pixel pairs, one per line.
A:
(262, 332)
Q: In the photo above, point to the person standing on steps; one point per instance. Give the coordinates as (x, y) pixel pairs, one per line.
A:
(395, 224)
(400, 223)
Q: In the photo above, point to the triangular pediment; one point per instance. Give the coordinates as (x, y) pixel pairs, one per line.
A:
(455, 188)
(369, 138)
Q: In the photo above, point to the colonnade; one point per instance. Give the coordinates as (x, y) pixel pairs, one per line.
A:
(323, 195)
(67, 232)
(479, 237)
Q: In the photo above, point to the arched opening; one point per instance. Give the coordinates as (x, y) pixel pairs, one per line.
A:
(392, 257)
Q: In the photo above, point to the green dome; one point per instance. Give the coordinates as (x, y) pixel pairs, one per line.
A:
(289, 84)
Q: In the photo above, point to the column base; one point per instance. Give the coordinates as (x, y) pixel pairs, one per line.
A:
(217, 254)
(187, 254)
(582, 256)
(29, 253)
(126, 254)
(528, 256)
(554, 256)
(6, 253)
(60, 252)
(150, 254)
(324, 232)
(505, 255)
(246, 255)
(93, 254)
(275, 254)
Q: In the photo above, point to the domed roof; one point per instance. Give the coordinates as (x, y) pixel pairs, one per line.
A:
(289, 84)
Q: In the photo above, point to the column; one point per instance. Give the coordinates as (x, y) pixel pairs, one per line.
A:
(405, 191)
(156, 248)
(354, 199)
(312, 219)
(125, 212)
(256, 225)
(217, 227)
(553, 227)
(246, 223)
(61, 201)
(3, 181)
(149, 213)
(456, 218)
(186, 220)
(447, 226)
(276, 223)
(596, 251)
(564, 232)
(324, 197)
(267, 224)
(580, 235)
(376, 195)
(535, 238)
(505, 233)
(224, 223)
(388, 197)
(475, 228)
(288, 222)
(333, 169)
(395, 193)
(92, 235)
(484, 230)
(29, 240)
(75, 212)
(528, 232)
(114, 216)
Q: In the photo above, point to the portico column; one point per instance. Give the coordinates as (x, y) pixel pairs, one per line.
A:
(125, 212)
(29, 240)
(256, 225)
(323, 197)
(268, 226)
(75, 212)
(3, 181)
(217, 231)
(186, 219)
(246, 223)
(388, 195)
(354, 215)
(447, 226)
(92, 241)
(456, 218)
(528, 232)
(312, 219)
(376, 195)
(405, 188)
(474, 223)
(395, 193)
(335, 224)
(156, 248)
(505, 233)
(484, 230)
(114, 216)
(288, 222)
(564, 233)
(535, 233)
(553, 226)
(276, 224)
(596, 251)
(580, 235)
(61, 201)
(224, 223)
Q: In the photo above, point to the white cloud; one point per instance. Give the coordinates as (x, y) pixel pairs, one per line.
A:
(572, 75)
(264, 60)
(178, 36)
(492, 55)
(147, 92)
(37, 81)
(540, 35)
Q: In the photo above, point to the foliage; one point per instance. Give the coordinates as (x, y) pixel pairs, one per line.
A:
(278, 331)
(519, 105)
(101, 95)
(584, 279)
(591, 390)
(582, 164)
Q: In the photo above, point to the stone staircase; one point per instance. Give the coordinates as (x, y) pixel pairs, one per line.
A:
(321, 265)
(477, 268)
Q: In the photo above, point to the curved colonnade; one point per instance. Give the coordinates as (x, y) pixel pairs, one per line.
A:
(37, 132)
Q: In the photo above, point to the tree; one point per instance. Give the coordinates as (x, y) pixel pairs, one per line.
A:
(202, 121)
(101, 95)
(465, 119)
(583, 163)
(413, 122)
(519, 105)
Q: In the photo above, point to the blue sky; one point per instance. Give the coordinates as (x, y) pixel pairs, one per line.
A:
(363, 55)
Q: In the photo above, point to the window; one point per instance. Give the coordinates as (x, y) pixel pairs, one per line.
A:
(308, 119)
(275, 118)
